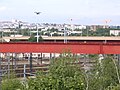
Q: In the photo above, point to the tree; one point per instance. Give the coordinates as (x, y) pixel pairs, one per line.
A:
(103, 32)
(62, 75)
(103, 75)
(52, 30)
(66, 74)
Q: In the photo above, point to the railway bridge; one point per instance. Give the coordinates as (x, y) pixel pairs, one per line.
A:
(52, 47)
(84, 48)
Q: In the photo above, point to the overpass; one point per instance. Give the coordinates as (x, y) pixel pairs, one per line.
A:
(84, 48)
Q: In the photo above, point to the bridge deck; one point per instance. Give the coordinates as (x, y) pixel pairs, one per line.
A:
(87, 48)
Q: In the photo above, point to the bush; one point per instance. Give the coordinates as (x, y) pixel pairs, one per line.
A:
(11, 83)
(62, 75)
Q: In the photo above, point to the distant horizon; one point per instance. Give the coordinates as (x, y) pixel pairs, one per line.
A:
(59, 23)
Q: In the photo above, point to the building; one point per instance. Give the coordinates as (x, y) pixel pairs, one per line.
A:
(95, 27)
(115, 32)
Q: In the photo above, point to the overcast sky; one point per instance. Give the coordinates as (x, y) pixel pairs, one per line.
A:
(61, 11)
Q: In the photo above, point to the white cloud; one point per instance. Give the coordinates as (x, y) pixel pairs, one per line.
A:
(3, 8)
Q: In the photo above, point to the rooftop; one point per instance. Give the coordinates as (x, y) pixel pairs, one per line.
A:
(80, 38)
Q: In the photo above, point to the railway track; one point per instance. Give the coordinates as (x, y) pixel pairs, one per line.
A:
(20, 70)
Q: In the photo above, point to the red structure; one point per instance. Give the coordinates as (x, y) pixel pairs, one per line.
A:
(85, 48)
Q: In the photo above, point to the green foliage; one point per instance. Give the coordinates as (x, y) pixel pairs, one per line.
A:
(85, 32)
(11, 83)
(62, 75)
(98, 32)
(103, 75)
(24, 32)
(93, 56)
(117, 87)
(102, 32)
(52, 30)
(65, 74)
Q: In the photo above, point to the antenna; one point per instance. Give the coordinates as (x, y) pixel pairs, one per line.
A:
(106, 22)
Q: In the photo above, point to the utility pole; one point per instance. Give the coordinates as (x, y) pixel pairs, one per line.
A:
(37, 13)
(2, 36)
(65, 34)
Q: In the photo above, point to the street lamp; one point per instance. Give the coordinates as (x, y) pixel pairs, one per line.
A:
(37, 13)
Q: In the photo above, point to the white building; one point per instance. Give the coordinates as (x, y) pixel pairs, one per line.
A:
(76, 32)
(73, 27)
(115, 32)
(80, 27)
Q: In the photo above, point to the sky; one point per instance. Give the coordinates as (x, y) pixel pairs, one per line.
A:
(61, 11)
